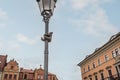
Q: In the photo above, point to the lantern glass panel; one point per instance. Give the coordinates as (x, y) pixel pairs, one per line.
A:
(40, 3)
(46, 4)
(52, 5)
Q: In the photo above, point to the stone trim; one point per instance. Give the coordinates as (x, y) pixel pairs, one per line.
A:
(108, 67)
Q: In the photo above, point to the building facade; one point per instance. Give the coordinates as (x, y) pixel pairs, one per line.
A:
(39, 75)
(3, 61)
(11, 71)
(104, 62)
(26, 74)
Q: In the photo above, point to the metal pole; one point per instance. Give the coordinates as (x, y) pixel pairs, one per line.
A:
(46, 38)
(46, 52)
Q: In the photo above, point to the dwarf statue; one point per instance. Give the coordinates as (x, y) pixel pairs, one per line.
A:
(47, 37)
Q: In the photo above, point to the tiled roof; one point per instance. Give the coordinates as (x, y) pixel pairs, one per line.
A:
(3, 59)
(26, 70)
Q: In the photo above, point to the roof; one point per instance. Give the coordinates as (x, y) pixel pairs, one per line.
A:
(114, 38)
(26, 70)
(3, 60)
(51, 74)
(12, 61)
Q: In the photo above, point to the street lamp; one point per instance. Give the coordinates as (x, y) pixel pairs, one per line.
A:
(46, 8)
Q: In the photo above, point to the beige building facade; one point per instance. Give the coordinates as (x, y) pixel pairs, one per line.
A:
(11, 71)
(104, 62)
(26, 74)
(39, 75)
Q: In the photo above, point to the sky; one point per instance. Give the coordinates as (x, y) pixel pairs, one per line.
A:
(78, 26)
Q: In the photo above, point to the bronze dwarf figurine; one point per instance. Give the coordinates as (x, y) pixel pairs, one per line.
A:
(47, 36)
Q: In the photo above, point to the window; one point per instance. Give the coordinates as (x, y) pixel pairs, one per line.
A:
(10, 77)
(25, 76)
(88, 68)
(12, 67)
(93, 65)
(102, 76)
(84, 70)
(116, 51)
(106, 58)
(113, 54)
(38, 76)
(41, 77)
(15, 77)
(5, 76)
(110, 72)
(90, 78)
(119, 50)
(117, 71)
(99, 62)
(96, 77)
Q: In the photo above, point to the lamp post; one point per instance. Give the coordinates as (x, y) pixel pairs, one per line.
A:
(46, 8)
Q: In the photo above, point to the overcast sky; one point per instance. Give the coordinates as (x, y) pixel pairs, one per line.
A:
(78, 26)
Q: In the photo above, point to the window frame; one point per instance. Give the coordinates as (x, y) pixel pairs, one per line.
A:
(99, 62)
(106, 58)
(93, 64)
(88, 67)
(5, 76)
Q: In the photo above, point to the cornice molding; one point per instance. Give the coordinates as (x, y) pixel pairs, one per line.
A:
(100, 50)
